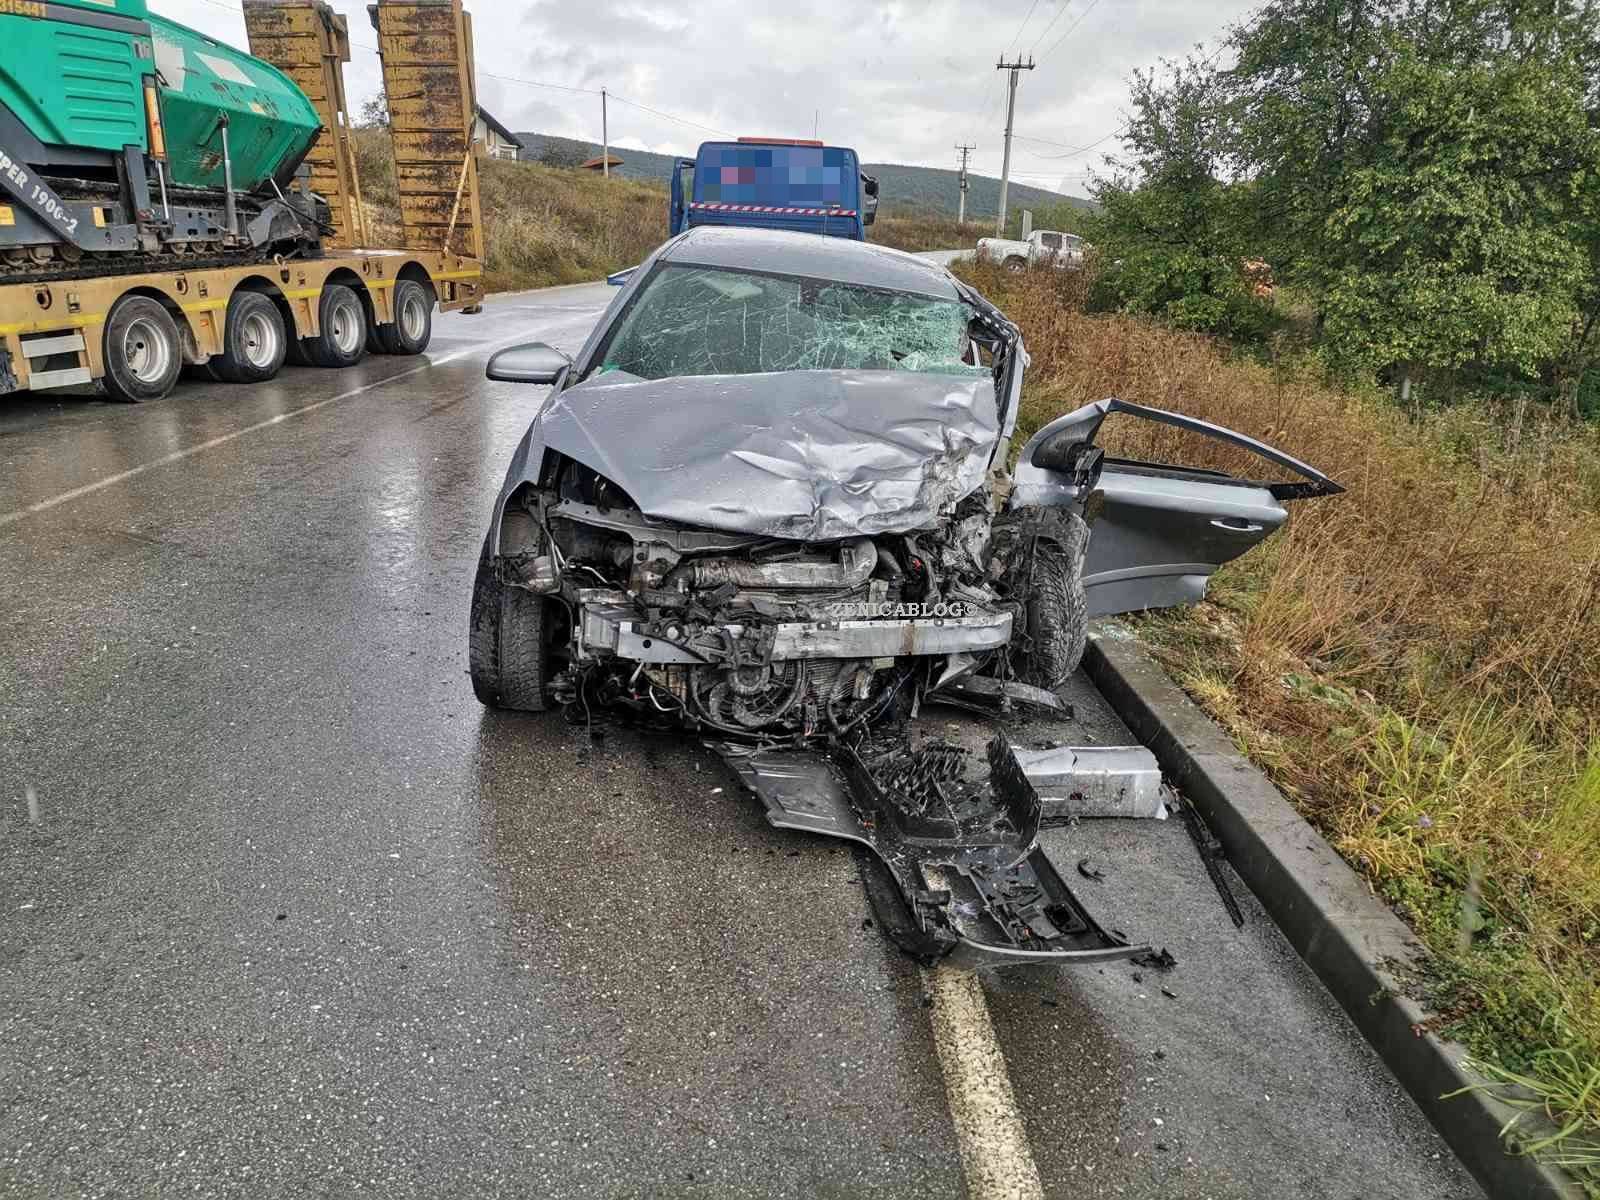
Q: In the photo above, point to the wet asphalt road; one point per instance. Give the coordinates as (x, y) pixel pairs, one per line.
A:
(283, 912)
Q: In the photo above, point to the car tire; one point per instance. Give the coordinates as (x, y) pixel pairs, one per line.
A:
(341, 340)
(141, 350)
(506, 656)
(1015, 265)
(412, 328)
(253, 340)
(1055, 607)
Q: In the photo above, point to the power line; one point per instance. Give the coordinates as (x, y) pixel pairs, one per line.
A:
(1068, 33)
(1060, 12)
(668, 116)
(1023, 26)
(1073, 151)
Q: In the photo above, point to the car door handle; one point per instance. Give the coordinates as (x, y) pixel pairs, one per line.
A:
(1237, 525)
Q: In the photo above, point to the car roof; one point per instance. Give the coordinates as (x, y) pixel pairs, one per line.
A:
(841, 260)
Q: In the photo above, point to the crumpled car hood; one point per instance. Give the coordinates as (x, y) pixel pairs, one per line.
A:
(808, 455)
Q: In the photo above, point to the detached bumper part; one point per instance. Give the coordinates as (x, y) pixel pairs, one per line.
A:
(969, 882)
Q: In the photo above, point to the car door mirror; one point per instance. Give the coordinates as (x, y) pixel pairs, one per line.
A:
(533, 362)
(1066, 452)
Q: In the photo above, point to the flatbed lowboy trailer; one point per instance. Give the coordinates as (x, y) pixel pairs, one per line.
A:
(134, 332)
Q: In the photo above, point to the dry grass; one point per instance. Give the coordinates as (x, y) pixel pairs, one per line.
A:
(542, 225)
(921, 231)
(1417, 662)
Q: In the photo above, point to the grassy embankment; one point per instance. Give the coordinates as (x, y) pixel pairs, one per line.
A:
(552, 225)
(1416, 663)
(542, 225)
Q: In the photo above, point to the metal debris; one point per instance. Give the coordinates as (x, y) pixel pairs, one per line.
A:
(1211, 854)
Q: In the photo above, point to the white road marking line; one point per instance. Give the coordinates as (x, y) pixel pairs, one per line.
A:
(11, 518)
(995, 1155)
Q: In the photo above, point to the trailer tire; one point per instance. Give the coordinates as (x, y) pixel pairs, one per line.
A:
(412, 328)
(342, 321)
(506, 655)
(254, 343)
(1015, 264)
(142, 351)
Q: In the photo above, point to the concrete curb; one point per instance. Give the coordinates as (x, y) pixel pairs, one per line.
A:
(1358, 948)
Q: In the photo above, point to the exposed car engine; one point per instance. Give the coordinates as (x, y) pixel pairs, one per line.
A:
(756, 637)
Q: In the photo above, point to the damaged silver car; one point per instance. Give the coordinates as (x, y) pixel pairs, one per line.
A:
(769, 502)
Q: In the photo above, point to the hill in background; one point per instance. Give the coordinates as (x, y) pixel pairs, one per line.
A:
(901, 189)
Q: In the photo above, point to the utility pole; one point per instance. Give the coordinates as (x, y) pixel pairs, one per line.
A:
(961, 217)
(605, 138)
(1011, 111)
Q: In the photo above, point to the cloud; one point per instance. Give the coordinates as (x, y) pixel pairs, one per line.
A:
(899, 81)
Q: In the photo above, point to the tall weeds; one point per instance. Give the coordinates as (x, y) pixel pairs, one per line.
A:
(1416, 661)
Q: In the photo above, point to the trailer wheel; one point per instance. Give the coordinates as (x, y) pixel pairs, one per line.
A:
(413, 320)
(253, 341)
(1015, 265)
(343, 321)
(141, 349)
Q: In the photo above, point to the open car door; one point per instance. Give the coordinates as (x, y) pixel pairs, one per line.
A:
(1159, 532)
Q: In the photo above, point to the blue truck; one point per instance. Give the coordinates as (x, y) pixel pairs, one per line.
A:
(774, 183)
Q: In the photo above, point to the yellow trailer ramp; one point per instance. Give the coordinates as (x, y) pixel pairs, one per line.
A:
(310, 43)
(426, 47)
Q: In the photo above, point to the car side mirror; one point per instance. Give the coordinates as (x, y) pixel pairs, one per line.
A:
(532, 362)
(1066, 452)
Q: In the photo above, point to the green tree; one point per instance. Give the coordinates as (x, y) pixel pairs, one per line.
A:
(374, 112)
(1423, 167)
(1172, 232)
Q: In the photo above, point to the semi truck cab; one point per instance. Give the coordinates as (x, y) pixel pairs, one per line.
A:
(774, 183)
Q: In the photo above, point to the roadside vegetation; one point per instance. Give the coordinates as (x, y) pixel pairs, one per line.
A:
(922, 231)
(1416, 662)
(543, 225)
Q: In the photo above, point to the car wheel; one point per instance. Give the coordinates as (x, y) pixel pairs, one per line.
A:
(342, 321)
(1015, 265)
(141, 350)
(413, 320)
(253, 341)
(1049, 546)
(506, 650)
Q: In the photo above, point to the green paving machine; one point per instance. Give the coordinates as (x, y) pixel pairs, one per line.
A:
(130, 143)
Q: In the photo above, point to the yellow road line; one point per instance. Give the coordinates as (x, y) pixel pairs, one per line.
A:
(995, 1155)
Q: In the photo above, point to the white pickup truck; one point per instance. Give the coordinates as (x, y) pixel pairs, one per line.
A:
(1043, 246)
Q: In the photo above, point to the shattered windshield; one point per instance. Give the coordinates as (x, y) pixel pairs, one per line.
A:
(705, 321)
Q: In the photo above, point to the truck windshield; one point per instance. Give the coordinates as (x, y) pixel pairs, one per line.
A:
(705, 321)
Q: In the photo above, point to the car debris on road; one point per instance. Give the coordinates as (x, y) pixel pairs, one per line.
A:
(769, 503)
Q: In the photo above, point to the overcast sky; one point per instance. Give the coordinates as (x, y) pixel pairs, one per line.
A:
(900, 82)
